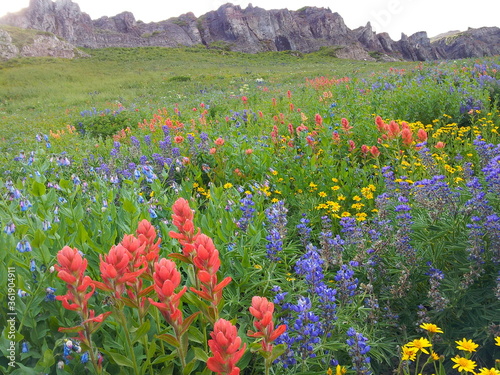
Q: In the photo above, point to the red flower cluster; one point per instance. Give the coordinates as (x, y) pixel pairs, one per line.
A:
(183, 219)
(393, 130)
(167, 278)
(71, 269)
(225, 346)
(207, 262)
(263, 310)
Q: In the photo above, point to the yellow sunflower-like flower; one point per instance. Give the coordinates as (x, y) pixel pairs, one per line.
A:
(463, 364)
(467, 345)
(340, 370)
(497, 341)
(409, 353)
(432, 328)
(420, 344)
(486, 371)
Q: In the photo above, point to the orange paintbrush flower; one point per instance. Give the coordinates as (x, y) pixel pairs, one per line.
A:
(226, 348)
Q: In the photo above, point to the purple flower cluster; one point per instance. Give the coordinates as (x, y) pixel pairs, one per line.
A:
(436, 299)
(358, 350)
(277, 220)
(304, 230)
(247, 208)
(303, 333)
(347, 284)
(331, 247)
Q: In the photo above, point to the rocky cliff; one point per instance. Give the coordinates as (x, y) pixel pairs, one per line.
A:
(16, 42)
(251, 30)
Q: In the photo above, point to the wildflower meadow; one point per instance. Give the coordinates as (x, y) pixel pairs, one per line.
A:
(279, 214)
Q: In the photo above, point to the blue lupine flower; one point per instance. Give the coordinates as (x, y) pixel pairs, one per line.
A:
(246, 206)
(50, 294)
(277, 221)
(358, 349)
(304, 230)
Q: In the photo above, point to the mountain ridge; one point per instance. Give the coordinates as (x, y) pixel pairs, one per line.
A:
(250, 30)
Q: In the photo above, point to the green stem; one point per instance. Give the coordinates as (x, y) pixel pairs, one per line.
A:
(129, 341)
(92, 353)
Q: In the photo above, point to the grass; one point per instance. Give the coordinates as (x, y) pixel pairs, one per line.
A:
(39, 94)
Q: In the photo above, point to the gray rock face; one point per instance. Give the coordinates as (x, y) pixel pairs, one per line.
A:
(36, 44)
(248, 30)
(484, 41)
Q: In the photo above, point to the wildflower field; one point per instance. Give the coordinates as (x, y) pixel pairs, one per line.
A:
(188, 211)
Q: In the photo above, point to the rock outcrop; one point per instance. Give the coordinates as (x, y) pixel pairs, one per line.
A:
(251, 30)
(16, 42)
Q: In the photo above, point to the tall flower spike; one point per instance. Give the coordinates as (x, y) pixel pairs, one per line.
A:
(226, 348)
(167, 278)
(182, 218)
(262, 310)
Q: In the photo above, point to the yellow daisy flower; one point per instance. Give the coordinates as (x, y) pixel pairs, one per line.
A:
(432, 328)
(467, 345)
(497, 341)
(420, 344)
(463, 364)
(485, 371)
(409, 353)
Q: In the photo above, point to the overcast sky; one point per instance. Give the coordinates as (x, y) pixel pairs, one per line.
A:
(392, 16)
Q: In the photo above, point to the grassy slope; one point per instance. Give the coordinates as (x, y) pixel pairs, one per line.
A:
(39, 94)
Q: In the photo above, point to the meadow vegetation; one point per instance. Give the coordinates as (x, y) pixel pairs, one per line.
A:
(198, 211)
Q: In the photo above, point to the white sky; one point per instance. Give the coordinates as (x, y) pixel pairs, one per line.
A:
(392, 16)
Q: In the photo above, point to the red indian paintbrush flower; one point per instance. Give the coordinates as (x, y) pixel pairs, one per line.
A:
(208, 263)
(146, 233)
(422, 135)
(263, 310)
(167, 278)
(115, 272)
(71, 269)
(394, 129)
(406, 135)
(183, 220)
(225, 346)
(71, 265)
(375, 151)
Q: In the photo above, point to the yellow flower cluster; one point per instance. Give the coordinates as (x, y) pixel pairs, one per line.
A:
(413, 349)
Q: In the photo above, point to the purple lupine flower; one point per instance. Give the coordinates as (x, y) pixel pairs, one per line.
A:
(304, 230)
(310, 265)
(347, 284)
(248, 210)
(358, 350)
(436, 300)
(277, 221)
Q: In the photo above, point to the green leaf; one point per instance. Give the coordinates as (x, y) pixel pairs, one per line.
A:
(129, 206)
(200, 354)
(38, 189)
(165, 358)
(141, 331)
(119, 359)
(38, 238)
(169, 339)
(152, 349)
(48, 359)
